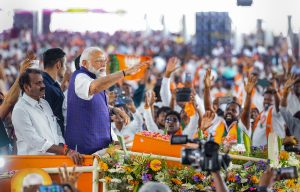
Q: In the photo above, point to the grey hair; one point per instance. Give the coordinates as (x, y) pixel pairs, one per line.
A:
(85, 55)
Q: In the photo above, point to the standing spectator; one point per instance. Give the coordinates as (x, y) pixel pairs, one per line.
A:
(54, 67)
(35, 125)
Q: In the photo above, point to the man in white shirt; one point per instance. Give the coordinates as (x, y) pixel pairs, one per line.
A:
(269, 120)
(36, 128)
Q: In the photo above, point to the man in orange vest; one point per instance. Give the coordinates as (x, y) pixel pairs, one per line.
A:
(229, 129)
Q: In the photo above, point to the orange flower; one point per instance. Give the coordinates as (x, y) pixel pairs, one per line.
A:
(290, 183)
(231, 177)
(103, 166)
(176, 181)
(254, 179)
(127, 169)
(107, 179)
(132, 182)
(200, 176)
(284, 155)
(155, 165)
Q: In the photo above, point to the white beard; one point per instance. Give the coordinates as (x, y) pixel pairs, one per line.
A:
(98, 73)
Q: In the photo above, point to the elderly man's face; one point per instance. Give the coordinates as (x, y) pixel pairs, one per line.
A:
(97, 63)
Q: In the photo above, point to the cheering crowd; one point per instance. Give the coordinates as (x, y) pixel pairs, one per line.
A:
(72, 105)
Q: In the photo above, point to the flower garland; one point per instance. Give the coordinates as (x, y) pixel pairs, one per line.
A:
(129, 173)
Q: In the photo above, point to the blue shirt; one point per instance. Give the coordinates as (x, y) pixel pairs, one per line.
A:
(55, 98)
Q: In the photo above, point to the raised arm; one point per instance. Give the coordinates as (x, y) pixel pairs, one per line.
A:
(149, 121)
(287, 88)
(207, 86)
(247, 105)
(104, 83)
(13, 94)
(165, 91)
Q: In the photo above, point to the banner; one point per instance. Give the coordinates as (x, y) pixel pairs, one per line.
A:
(120, 62)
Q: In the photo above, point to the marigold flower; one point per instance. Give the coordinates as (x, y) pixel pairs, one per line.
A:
(103, 166)
(231, 178)
(200, 187)
(127, 169)
(107, 179)
(254, 179)
(176, 181)
(132, 182)
(155, 165)
(290, 183)
(284, 155)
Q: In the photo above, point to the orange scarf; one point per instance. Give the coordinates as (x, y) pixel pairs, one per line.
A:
(269, 127)
(220, 135)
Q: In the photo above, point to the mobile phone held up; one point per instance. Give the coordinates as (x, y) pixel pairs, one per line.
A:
(183, 94)
(286, 173)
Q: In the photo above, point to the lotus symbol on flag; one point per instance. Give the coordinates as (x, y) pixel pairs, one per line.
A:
(132, 60)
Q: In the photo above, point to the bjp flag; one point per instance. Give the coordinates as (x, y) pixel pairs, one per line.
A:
(119, 62)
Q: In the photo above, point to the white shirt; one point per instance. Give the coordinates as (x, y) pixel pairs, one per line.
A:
(35, 126)
(293, 103)
(130, 130)
(82, 86)
(189, 130)
(259, 134)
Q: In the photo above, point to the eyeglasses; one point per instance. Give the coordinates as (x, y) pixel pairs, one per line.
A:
(171, 119)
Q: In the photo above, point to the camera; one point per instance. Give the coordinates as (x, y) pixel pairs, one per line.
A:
(206, 157)
(286, 173)
(183, 94)
(292, 148)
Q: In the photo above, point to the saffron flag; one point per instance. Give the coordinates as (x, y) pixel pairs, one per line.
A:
(120, 62)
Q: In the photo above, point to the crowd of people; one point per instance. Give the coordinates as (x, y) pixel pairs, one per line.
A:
(72, 105)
